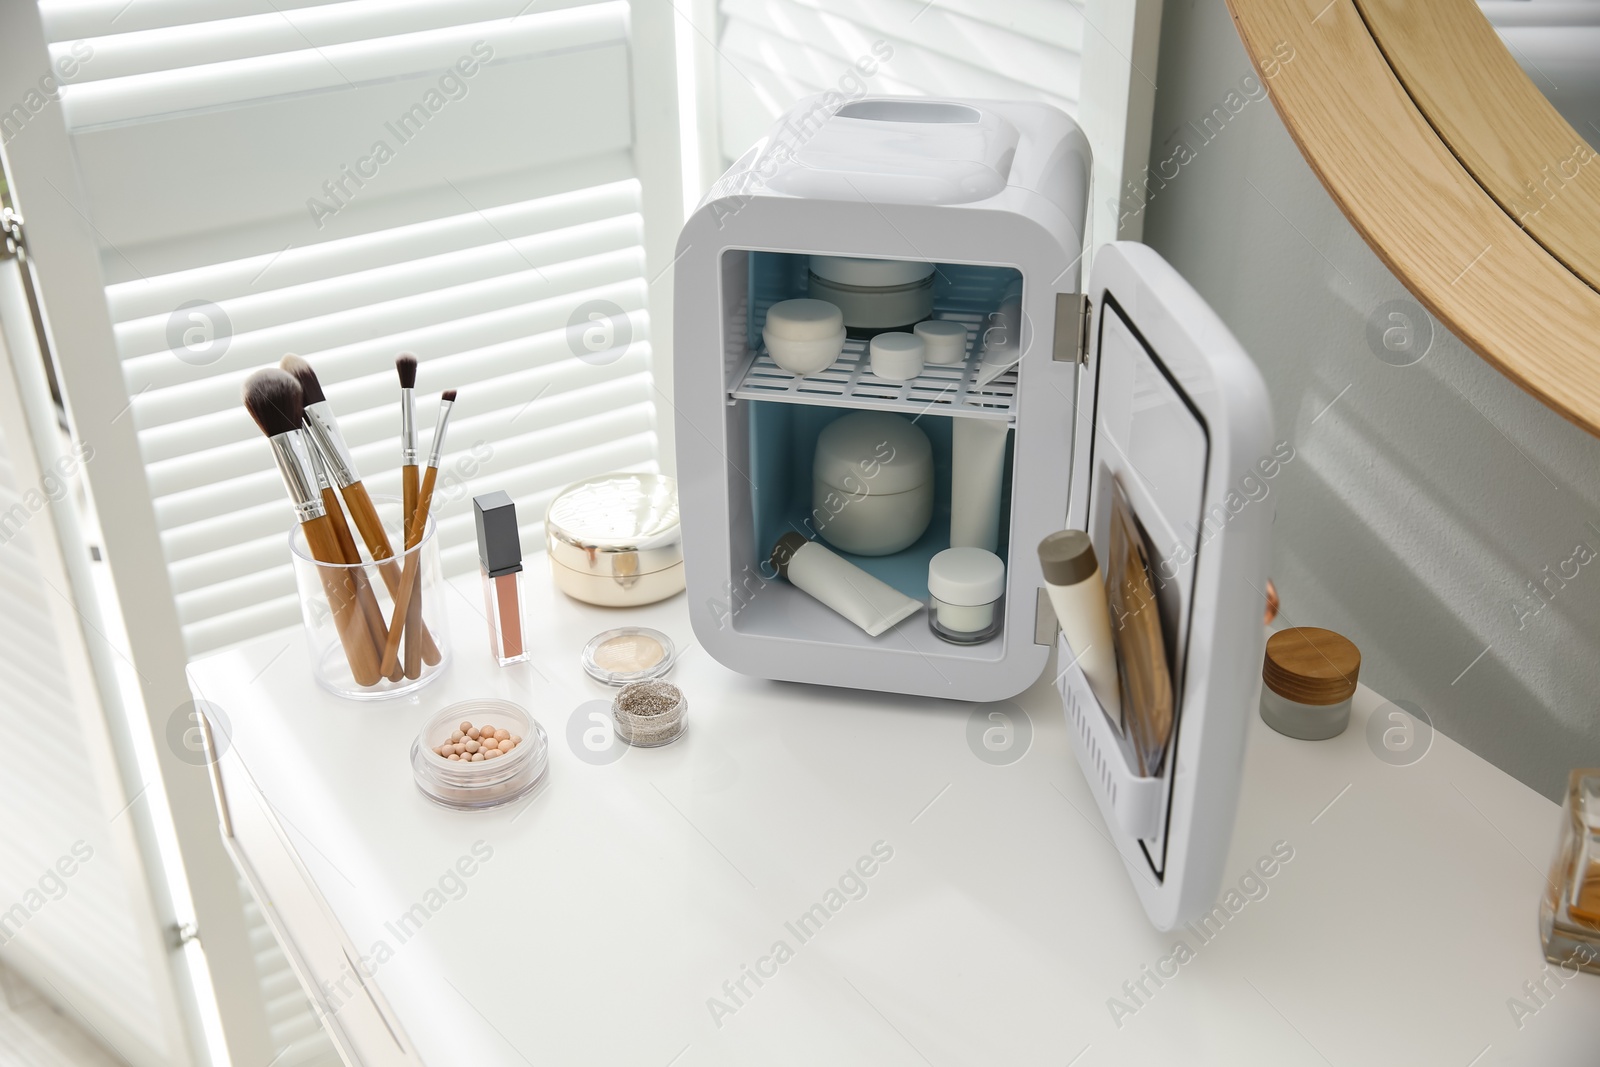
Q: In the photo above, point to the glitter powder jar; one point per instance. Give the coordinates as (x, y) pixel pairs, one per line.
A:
(628, 654)
(650, 714)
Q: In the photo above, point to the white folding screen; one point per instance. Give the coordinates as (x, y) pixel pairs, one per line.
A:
(462, 179)
(77, 915)
(469, 180)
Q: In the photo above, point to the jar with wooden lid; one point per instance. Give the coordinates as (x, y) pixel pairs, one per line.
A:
(1307, 682)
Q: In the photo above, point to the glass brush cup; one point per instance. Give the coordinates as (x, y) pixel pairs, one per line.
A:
(368, 588)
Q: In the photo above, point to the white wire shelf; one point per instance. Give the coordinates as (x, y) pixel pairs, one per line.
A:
(939, 390)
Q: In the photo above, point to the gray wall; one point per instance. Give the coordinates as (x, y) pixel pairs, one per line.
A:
(1425, 502)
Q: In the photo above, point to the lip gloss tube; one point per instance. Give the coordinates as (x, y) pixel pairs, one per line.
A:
(500, 562)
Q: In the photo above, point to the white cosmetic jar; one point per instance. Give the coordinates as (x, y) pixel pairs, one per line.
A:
(966, 587)
(896, 356)
(872, 483)
(615, 540)
(873, 294)
(803, 336)
(944, 341)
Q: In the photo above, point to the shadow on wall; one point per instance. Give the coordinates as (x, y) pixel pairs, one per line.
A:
(1441, 518)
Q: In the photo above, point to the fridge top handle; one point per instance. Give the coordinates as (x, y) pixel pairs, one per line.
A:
(1178, 442)
(899, 150)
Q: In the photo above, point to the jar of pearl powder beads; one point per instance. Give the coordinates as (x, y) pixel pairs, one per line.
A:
(479, 754)
(650, 714)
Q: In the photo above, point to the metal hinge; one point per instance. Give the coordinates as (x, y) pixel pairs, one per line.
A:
(1044, 619)
(1073, 314)
(11, 228)
(183, 933)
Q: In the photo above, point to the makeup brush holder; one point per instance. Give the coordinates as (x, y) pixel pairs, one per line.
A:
(324, 587)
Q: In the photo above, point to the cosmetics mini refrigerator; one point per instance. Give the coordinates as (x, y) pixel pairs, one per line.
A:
(1128, 411)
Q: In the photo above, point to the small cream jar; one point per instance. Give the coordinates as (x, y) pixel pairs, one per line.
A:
(615, 541)
(803, 336)
(944, 341)
(896, 357)
(966, 586)
(872, 483)
(874, 295)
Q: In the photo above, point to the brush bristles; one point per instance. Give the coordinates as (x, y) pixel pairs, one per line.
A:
(405, 365)
(449, 395)
(310, 388)
(274, 399)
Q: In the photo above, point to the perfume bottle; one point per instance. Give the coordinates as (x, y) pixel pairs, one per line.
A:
(1569, 917)
(500, 559)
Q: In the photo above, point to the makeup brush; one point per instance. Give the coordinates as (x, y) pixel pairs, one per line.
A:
(323, 429)
(414, 532)
(368, 603)
(274, 400)
(405, 366)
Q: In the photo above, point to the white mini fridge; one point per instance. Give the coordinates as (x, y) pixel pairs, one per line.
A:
(1133, 384)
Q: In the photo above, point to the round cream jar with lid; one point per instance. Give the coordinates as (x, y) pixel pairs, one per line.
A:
(1308, 679)
(896, 356)
(874, 295)
(614, 540)
(966, 587)
(944, 341)
(803, 336)
(872, 483)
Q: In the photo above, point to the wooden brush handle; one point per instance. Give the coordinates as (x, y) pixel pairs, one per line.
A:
(413, 567)
(365, 514)
(370, 611)
(413, 645)
(339, 586)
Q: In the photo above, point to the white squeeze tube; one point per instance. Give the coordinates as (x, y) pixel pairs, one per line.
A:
(1078, 593)
(978, 460)
(841, 585)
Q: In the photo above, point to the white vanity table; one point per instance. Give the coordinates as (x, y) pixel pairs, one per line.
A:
(615, 903)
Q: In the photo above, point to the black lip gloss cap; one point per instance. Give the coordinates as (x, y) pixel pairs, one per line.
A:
(499, 542)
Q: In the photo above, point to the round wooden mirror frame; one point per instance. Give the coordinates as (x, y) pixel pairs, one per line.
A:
(1455, 169)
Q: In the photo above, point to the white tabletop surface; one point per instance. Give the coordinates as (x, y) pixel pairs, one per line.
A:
(619, 901)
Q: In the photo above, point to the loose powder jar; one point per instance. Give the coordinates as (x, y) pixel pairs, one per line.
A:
(650, 714)
(450, 756)
(628, 654)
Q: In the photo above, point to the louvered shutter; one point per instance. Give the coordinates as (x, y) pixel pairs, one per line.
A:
(76, 915)
(231, 155)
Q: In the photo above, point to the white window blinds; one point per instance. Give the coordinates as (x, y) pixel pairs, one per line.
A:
(454, 178)
(772, 52)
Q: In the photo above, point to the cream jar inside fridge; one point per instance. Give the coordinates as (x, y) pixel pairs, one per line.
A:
(1068, 408)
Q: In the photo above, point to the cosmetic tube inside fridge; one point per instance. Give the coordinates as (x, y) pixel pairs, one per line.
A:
(1003, 342)
(841, 585)
(977, 467)
(1078, 594)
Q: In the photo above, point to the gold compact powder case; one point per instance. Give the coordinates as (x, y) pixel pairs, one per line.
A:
(614, 540)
